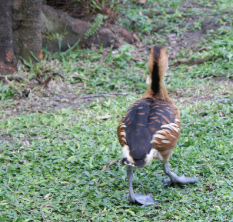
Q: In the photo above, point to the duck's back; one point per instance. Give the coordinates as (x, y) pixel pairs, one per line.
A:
(140, 130)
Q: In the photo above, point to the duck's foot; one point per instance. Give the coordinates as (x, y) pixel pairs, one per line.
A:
(141, 199)
(174, 179)
(137, 197)
(180, 180)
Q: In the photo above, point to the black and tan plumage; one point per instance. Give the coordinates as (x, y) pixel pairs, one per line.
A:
(151, 127)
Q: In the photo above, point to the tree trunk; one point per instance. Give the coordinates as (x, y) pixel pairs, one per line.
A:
(27, 28)
(7, 57)
(21, 32)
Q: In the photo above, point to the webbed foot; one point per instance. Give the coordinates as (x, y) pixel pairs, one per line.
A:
(174, 179)
(180, 180)
(141, 199)
(137, 197)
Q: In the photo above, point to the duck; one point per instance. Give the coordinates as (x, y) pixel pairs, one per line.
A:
(151, 128)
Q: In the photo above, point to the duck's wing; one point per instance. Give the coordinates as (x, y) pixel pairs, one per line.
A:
(134, 135)
(164, 127)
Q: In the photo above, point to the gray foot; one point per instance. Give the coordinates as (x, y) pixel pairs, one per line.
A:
(180, 180)
(137, 197)
(142, 199)
(167, 182)
(174, 179)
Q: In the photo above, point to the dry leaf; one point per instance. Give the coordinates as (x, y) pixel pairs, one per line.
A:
(104, 117)
(141, 1)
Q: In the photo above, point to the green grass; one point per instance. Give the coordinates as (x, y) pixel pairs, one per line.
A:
(110, 72)
(51, 167)
(51, 163)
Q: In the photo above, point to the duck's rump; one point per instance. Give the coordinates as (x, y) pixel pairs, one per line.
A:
(144, 118)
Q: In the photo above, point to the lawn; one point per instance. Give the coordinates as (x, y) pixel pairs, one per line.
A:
(52, 156)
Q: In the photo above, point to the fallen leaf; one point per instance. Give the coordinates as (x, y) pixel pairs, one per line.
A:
(141, 1)
(104, 117)
(171, 36)
(136, 38)
(137, 58)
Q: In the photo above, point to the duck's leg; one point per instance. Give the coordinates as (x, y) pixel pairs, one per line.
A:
(131, 195)
(137, 197)
(177, 179)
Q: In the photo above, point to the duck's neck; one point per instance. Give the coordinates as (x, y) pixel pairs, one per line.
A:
(157, 88)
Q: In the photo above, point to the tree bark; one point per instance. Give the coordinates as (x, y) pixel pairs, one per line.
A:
(27, 28)
(7, 57)
(22, 23)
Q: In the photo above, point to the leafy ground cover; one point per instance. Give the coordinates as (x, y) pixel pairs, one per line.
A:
(53, 146)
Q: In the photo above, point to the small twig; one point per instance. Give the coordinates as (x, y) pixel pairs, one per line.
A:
(104, 94)
(38, 80)
(106, 167)
(46, 82)
(58, 74)
(171, 12)
(159, 27)
(168, 12)
(194, 61)
(153, 13)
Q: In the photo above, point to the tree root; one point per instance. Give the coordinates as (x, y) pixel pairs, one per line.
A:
(194, 61)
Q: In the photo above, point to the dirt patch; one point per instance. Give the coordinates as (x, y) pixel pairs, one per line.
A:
(60, 94)
(190, 38)
(5, 137)
(56, 96)
(218, 89)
